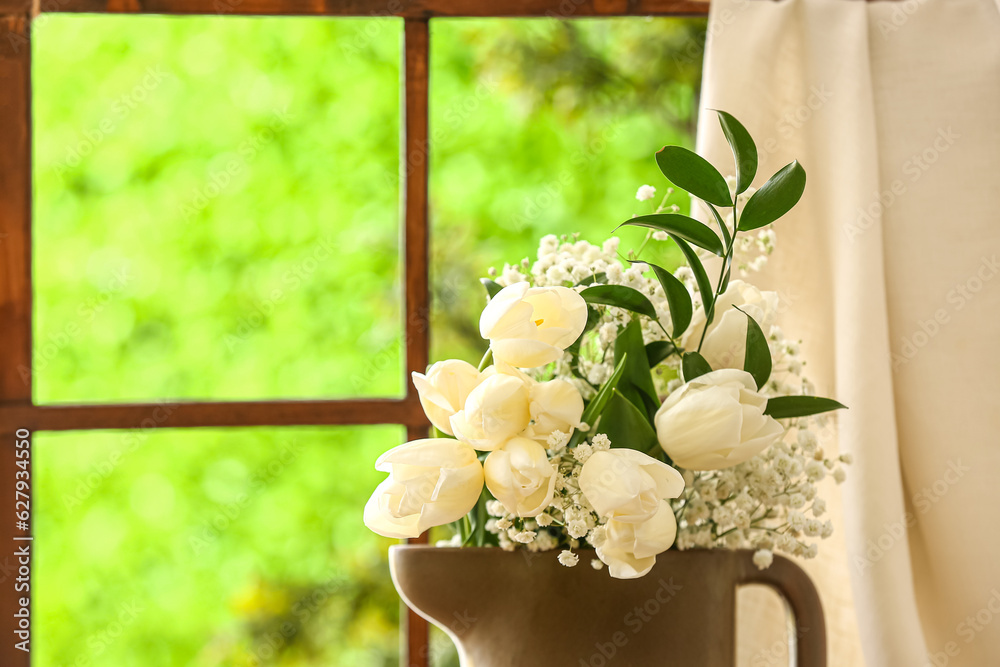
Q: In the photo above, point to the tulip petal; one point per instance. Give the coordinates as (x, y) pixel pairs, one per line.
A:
(524, 352)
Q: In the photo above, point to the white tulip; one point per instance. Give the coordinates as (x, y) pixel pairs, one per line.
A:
(726, 341)
(495, 411)
(628, 486)
(520, 476)
(715, 421)
(431, 482)
(443, 390)
(531, 326)
(630, 549)
(555, 405)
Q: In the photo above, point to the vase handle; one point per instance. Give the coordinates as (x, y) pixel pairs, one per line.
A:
(795, 586)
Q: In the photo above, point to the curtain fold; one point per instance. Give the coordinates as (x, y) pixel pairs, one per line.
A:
(888, 272)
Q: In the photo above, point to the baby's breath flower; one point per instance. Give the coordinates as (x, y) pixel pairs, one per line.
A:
(601, 442)
(818, 506)
(557, 440)
(583, 452)
(524, 536)
(763, 559)
(577, 529)
(568, 558)
(645, 193)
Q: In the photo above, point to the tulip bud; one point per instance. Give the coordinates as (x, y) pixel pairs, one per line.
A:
(443, 390)
(531, 326)
(520, 476)
(715, 421)
(431, 482)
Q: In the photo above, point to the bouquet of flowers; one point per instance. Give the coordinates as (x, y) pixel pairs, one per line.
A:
(624, 407)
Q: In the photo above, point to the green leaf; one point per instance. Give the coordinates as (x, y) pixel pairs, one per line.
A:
(594, 279)
(694, 365)
(620, 296)
(722, 226)
(593, 317)
(744, 150)
(725, 277)
(785, 407)
(491, 287)
(704, 284)
(692, 172)
(775, 198)
(678, 298)
(757, 360)
(480, 530)
(687, 228)
(659, 350)
(637, 380)
(626, 425)
(597, 403)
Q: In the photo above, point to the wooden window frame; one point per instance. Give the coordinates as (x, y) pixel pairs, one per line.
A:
(17, 409)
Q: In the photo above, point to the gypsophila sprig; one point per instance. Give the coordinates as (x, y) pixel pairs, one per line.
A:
(625, 407)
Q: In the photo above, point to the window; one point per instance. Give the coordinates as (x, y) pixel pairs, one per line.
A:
(24, 404)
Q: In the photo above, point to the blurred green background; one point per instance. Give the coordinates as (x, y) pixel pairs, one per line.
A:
(217, 217)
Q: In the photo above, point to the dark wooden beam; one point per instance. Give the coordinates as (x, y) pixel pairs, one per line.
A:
(15, 324)
(414, 158)
(15, 209)
(214, 414)
(376, 8)
(413, 168)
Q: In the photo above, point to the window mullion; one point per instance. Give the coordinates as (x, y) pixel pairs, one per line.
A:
(413, 170)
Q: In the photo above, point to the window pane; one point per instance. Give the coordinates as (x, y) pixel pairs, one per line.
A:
(544, 127)
(211, 548)
(216, 208)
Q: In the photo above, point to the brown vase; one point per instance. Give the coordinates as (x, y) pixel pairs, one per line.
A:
(522, 609)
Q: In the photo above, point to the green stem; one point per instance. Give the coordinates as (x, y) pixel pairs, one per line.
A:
(487, 359)
(642, 247)
(726, 261)
(465, 529)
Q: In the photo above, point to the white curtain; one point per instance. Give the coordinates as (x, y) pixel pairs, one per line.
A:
(889, 267)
